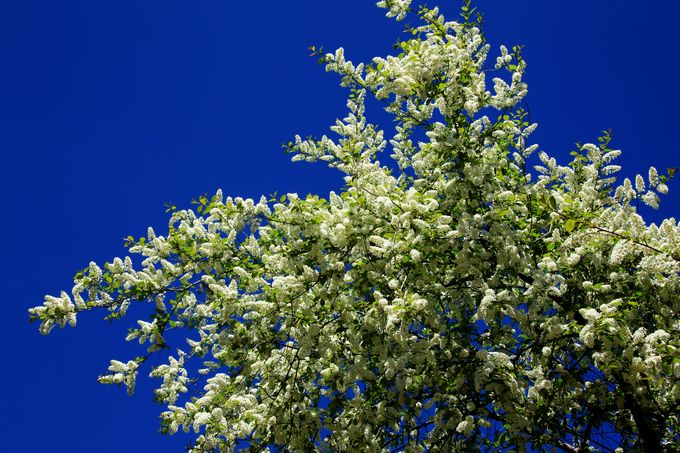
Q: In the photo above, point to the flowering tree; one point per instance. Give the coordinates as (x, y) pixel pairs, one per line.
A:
(448, 301)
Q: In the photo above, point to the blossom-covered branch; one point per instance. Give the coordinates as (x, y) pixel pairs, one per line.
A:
(445, 299)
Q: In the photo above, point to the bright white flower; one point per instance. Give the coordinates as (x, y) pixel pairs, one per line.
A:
(651, 199)
(466, 426)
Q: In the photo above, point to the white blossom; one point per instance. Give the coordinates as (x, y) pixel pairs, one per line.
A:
(449, 289)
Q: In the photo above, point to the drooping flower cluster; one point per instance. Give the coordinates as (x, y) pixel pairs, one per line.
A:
(451, 301)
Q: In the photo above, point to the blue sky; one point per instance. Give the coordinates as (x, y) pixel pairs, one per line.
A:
(110, 109)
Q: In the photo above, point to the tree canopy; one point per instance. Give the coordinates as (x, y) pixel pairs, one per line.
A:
(448, 300)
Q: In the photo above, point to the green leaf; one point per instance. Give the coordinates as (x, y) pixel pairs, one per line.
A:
(569, 225)
(551, 202)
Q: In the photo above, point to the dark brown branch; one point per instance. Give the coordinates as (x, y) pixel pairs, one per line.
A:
(650, 438)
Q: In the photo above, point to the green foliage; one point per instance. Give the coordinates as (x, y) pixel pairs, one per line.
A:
(451, 301)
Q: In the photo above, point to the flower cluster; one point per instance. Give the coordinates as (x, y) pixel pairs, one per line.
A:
(448, 300)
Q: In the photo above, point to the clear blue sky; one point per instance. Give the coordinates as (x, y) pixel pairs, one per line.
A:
(109, 109)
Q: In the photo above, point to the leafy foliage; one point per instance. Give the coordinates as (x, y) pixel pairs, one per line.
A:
(447, 301)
